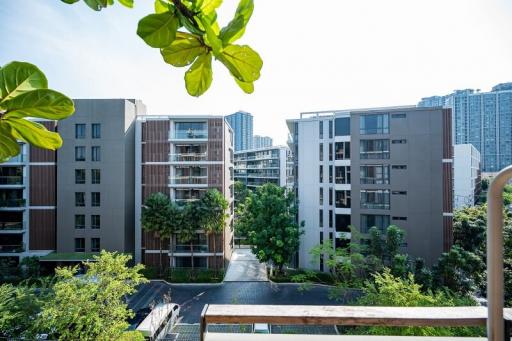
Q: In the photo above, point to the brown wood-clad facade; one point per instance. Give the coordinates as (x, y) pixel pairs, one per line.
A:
(43, 187)
(447, 180)
(42, 235)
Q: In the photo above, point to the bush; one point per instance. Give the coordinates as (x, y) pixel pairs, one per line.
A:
(188, 275)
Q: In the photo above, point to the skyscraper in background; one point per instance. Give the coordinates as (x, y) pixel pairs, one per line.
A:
(261, 142)
(483, 119)
(242, 125)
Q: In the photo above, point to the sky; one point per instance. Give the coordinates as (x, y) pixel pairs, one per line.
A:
(318, 55)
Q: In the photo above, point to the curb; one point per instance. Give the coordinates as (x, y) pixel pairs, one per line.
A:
(186, 284)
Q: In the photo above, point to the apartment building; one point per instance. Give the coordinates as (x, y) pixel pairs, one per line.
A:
(466, 171)
(182, 157)
(374, 167)
(262, 142)
(264, 165)
(242, 124)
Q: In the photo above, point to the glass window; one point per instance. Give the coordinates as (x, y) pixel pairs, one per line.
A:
(343, 199)
(80, 131)
(95, 199)
(374, 124)
(343, 222)
(95, 176)
(321, 194)
(370, 220)
(330, 151)
(342, 150)
(95, 221)
(342, 174)
(399, 192)
(79, 199)
(400, 141)
(321, 173)
(330, 129)
(79, 244)
(374, 149)
(95, 153)
(321, 218)
(330, 221)
(375, 174)
(330, 174)
(342, 126)
(330, 196)
(400, 115)
(321, 129)
(375, 199)
(321, 151)
(79, 221)
(399, 167)
(79, 176)
(95, 245)
(80, 153)
(96, 131)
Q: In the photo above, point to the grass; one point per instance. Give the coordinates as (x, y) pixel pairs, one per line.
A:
(186, 275)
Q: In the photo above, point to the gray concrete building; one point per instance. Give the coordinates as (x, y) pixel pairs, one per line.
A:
(262, 142)
(374, 167)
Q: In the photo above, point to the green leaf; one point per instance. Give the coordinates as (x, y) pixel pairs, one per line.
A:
(96, 5)
(208, 6)
(158, 30)
(8, 145)
(236, 27)
(248, 88)
(243, 62)
(210, 37)
(183, 50)
(161, 6)
(69, 1)
(17, 78)
(126, 3)
(34, 133)
(42, 103)
(199, 77)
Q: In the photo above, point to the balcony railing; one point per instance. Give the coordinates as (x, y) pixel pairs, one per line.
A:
(12, 203)
(186, 248)
(11, 180)
(12, 248)
(189, 180)
(11, 226)
(188, 134)
(188, 157)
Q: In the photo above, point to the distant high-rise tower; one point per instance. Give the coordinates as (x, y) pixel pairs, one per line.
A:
(261, 142)
(241, 122)
(483, 119)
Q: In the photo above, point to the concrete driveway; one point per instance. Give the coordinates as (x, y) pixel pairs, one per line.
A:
(244, 267)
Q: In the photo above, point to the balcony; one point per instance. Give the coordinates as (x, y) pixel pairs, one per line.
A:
(188, 157)
(189, 180)
(17, 248)
(11, 180)
(186, 248)
(12, 227)
(190, 134)
(15, 203)
(20, 158)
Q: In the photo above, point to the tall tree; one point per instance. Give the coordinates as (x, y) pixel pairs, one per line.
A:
(174, 225)
(155, 218)
(212, 215)
(188, 230)
(269, 221)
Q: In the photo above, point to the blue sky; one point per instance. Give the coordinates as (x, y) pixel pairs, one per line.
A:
(326, 54)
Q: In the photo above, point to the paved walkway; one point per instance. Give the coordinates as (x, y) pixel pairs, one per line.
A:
(244, 267)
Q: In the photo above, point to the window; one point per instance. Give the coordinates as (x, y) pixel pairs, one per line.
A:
(342, 126)
(374, 149)
(399, 218)
(375, 199)
(79, 176)
(330, 129)
(321, 151)
(401, 141)
(79, 199)
(321, 196)
(330, 220)
(342, 174)
(330, 151)
(95, 153)
(374, 174)
(79, 244)
(79, 221)
(342, 199)
(343, 222)
(342, 150)
(321, 170)
(330, 174)
(96, 131)
(95, 176)
(399, 192)
(95, 221)
(400, 115)
(330, 196)
(321, 218)
(80, 153)
(321, 129)
(370, 220)
(95, 199)
(321, 237)
(80, 131)
(399, 167)
(95, 245)
(374, 124)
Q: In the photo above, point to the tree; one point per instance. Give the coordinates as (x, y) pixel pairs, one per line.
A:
(212, 215)
(24, 94)
(199, 40)
(92, 306)
(155, 217)
(188, 230)
(174, 224)
(268, 220)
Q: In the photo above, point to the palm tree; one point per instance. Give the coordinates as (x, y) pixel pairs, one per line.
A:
(155, 218)
(213, 215)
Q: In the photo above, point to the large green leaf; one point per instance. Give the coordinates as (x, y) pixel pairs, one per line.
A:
(183, 50)
(199, 77)
(96, 5)
(161, 6)
(248, 88)
(17, 78)
(126, 3)
(69, 1)
(34, 133)
(8, 145)
(211, 38)
(158, 30)
(208, 6)
(243, 62)
(236, 27)
(42, 103)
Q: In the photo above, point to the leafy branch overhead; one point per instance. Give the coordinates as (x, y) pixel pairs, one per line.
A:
(188, 34)
(24, 94)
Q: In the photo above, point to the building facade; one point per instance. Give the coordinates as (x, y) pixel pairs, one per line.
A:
(242, 124)
(466, 171)
(256, 167)
(182, 157)
(376, 167)
(261, 142)
(482, 119)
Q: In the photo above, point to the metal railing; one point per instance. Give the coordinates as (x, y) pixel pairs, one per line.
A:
(12, 248)
(11, 180)
(188, 134)
(12, 203)
(188, 157)
(186, 248)
(189, 180)
(11, 226)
